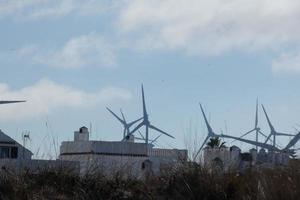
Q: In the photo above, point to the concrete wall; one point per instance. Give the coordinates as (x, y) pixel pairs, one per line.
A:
(159, 159)
(109, 157)
(37, 165)
(233, 159)
(230, 158)
(175, 154)
(107, 164)
(121, 148)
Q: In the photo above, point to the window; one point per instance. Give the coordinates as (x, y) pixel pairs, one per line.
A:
(14, 152)
(143, 165)
(4, 153)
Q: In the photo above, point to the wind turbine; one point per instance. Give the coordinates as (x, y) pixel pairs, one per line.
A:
(211, 133)
(123, 121)
(146, 122)
(273, 132)
(256, 129)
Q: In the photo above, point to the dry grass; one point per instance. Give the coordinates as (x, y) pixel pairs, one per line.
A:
(189, 182)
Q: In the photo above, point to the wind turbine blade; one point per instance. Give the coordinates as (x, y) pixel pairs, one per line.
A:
(136, 128)
(248, 133)
(262, 134)
(141, 135)
(256, 114)
(285, 134)
(263, 145)
(268, 138)
(210, 131)
(207, 137)
(116, 116)
(265, 136)
(135, 121)
(245, 134)
(7, 102)
(269, 122)
(144, 104)
(155, 139)
(123, 115)
(293, 141)
(157, 129)
(138, 138)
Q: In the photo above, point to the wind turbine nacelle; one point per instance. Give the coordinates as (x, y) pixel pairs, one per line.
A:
(129, 138)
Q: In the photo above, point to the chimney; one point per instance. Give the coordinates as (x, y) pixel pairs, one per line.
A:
(82, 134)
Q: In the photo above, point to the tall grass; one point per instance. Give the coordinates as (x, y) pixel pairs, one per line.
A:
(190, 181)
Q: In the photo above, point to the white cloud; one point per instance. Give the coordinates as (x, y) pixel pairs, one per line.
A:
(86, 50)
(46, 96)
(37, 9)
(287, 63)
(60, 9)
(198, 27)
(212, 27)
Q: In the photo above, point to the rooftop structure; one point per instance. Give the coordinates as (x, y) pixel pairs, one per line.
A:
(111, 156)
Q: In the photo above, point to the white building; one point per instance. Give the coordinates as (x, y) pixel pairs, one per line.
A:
(137, 159)
(224, 158)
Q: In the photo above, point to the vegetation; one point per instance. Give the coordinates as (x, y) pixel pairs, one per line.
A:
(189, 182)
(215, 142)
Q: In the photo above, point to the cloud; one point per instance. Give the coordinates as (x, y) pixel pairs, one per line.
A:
(38, 9)
(46, 96)
(211, 27)
(194, 27)
(82, 51)
(288, 62)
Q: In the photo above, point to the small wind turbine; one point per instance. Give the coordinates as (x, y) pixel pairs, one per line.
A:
(256, 129)
(273, 132)
(146, 122)
(123, 121)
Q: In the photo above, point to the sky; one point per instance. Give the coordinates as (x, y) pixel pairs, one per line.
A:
(70, 59)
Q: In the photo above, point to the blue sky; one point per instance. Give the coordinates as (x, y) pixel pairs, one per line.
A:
(69, 59)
